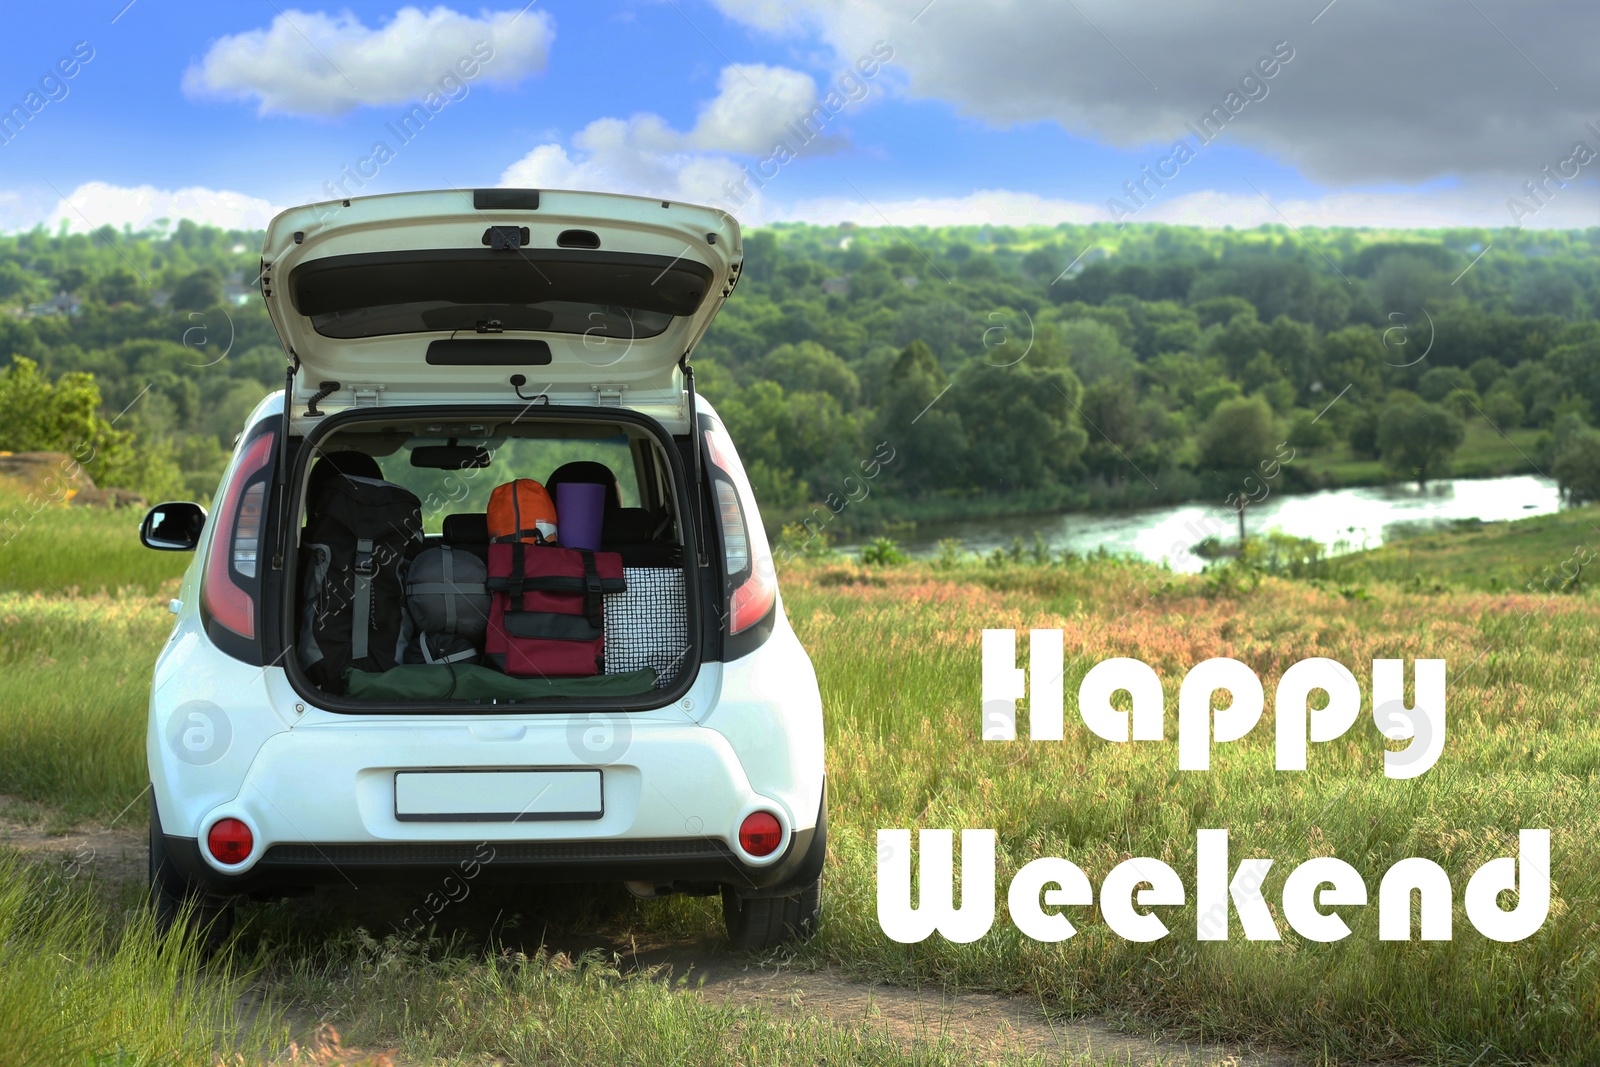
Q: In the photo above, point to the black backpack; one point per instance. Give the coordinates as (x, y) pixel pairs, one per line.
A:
(359, 535)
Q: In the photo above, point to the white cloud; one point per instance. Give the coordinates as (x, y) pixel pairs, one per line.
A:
(96, 204)
(312, 63)
(1475, 204)
(617, 156)
(753, 108)
(999, 207)
(759, 111)
(1374, 92)
(1472, 205)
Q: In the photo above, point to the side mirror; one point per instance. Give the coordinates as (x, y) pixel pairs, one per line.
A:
(173, 527)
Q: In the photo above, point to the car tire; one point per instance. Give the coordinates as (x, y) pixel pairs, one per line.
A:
(172, 898)
(767, 922)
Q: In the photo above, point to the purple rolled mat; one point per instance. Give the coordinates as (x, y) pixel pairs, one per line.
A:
(580, 506)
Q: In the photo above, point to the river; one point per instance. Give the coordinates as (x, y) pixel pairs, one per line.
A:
(1342, 520)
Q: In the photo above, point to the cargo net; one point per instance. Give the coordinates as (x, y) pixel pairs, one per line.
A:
(648, 626)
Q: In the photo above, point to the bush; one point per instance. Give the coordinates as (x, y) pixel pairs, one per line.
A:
(950, 554)
(1282, 555)
(799, 541)
(882, 551)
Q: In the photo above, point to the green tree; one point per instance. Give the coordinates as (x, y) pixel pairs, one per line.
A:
(1041, 263)
(776, 486)
(120, 286)
(809, 368)
(1240, 435)
(1362, 433)
(17, 285)
(1577, 467)
(1503, 409)
(1116, 428)
(71, 279)
(915, 416)
(1023, 432)
(37, 415)
(198, 291)
(1440, 382)
(1353, 356)
(1418, 439)
(1096, 353)
(1485, 373)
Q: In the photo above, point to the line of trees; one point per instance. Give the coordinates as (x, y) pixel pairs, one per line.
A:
(1034, 367)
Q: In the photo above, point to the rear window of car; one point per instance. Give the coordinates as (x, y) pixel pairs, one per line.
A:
(453, 492)
(593, 293)
(553, 316)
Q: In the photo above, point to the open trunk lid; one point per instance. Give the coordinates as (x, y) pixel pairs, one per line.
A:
(439, 297)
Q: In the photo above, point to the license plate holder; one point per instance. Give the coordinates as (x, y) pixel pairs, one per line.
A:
(498, 795)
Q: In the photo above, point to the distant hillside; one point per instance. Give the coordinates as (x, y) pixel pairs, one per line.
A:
(998, 369)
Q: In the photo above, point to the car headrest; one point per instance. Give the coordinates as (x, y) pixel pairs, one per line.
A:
(628, 526)
(586, 470)
(330, 465)
(468, 529)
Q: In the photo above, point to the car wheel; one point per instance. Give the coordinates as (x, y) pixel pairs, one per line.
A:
(172, 898)
(766, 922)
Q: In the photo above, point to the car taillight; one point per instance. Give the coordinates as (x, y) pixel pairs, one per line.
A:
(760, 833)
(735, 544)
(227, 589)
(747, 558)
(230, 841)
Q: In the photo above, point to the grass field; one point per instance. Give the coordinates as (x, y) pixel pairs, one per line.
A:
(1523, 750)
(896, 650)
(1484, 453)
(1542, 555)
(84, 980)
(63, 550)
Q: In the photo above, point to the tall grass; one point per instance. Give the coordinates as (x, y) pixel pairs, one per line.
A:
(83, 982)
(897, 652)
(74, 688)
(56, 548)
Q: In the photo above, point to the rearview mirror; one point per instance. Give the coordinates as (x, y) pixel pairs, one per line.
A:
(451, 457)
(173, 527)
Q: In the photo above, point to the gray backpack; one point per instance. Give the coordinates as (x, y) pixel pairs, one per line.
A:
(448, 600)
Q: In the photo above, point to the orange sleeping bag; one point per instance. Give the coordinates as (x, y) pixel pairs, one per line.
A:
(521, 511)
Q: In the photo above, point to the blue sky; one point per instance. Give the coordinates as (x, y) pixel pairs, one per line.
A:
(1015, 111)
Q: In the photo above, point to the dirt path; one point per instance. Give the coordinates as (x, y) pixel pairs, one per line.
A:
(987, 1026)
(115, 855)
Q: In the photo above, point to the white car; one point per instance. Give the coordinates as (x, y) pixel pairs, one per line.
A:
(446, 342)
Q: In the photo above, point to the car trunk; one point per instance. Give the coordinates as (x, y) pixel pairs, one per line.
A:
(540, 328)
(429, 639)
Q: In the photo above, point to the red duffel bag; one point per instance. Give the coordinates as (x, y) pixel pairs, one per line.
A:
(546, 614)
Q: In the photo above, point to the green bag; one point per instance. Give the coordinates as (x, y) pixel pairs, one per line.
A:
(467, 681)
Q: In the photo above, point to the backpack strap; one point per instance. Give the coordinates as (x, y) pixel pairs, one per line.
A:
(514, 583)
(592, 590)
(361, 622)
(533, 535)
(449, 598)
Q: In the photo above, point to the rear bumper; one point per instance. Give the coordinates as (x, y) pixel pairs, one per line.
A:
(677, 862)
